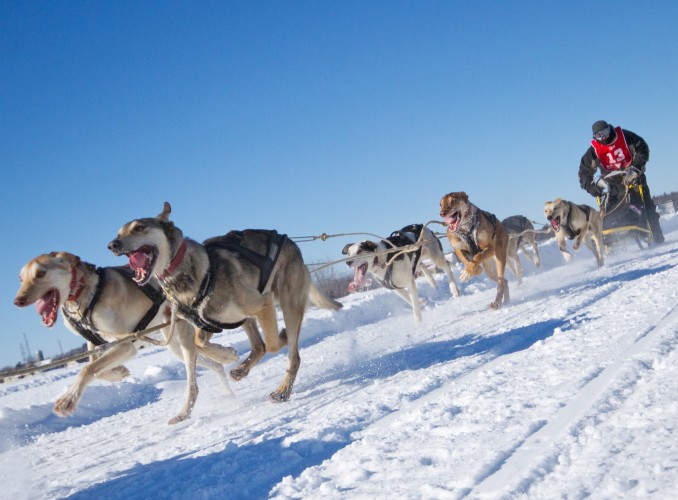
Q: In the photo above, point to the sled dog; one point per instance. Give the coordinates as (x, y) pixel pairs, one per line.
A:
(397, 270)
(521, 233)
(476, 236)
(103, 305)
(228, 281)
(580, 223)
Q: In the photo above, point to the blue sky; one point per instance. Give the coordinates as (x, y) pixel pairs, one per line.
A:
(308, 117)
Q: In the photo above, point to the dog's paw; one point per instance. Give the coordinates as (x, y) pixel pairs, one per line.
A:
(567, 256)
(464, 276)
(279, 397)
(179, 418)
(66, 405)
(239, 373)
(495, 305)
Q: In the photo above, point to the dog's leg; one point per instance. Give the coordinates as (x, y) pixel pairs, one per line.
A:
(67, 403)
(257, 350)
(596, 247)
(562, 246)
(500, 256)
(535, 255)
(414, 299)
(427, 275)
(219, 371)
(441, 263)
(269, 324)
(293, 314)
(186, 335)
(216, 352)
(212, 356)
(406, 297)
(471, 267)
(514, 264)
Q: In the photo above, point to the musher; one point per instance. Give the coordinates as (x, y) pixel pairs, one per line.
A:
(613, 149)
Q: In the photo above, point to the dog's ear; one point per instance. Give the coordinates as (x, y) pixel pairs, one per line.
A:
(462, 195)
(166, 209)
(557, 200)
(369, 246)
(345, 250)
(70, 259)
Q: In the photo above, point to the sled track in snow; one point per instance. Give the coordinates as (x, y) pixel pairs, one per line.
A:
(546, 442)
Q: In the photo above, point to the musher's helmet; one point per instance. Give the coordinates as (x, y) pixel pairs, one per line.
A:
(603, 132)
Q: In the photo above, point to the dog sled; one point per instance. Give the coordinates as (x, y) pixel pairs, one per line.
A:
(624, 212)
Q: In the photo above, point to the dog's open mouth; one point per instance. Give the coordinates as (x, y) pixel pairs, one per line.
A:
(359, 273)
(142, 261)
(453, 221)
(48, 307)
(555, 223)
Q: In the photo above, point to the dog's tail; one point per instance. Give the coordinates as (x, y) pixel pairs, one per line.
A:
(321, 300)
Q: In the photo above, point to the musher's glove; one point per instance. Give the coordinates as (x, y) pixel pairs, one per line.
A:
(594, 189)
(632, 175)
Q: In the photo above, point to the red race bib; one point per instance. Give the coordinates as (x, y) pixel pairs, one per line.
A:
(616, 155)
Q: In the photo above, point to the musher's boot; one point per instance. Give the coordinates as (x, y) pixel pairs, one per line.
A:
(655, 227)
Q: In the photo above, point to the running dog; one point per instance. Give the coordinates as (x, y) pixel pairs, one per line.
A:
(104, 305)
(395, 269)
(476, 236)
(226, 282)
(521, 233)
(581, 223)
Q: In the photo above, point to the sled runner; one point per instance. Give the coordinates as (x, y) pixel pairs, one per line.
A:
(624, 213)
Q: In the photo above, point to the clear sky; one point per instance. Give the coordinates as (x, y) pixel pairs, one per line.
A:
(308, 117)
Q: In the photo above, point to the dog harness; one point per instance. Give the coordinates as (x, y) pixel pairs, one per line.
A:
(399, 239)
(472, 239)
(571, 234)
(233, 241)
(84, 325)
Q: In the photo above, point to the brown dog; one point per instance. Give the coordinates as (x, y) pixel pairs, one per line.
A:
(476, 236)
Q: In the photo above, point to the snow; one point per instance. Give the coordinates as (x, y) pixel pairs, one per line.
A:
(569, 391)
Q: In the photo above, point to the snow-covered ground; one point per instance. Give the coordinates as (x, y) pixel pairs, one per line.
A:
(569, 391)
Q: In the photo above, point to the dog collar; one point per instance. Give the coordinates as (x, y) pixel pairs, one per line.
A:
(76, 286)
(175, 261)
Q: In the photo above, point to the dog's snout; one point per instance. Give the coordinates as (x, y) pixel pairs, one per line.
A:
(20, 301)
(114, 246)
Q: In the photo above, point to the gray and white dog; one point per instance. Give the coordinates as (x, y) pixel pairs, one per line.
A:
(226, 282)
(396, 269)
(104, 305)
(581, 223)
(521, 234)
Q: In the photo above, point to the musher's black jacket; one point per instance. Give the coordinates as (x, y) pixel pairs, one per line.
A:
(590, 162)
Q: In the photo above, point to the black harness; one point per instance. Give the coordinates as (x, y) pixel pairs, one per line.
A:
(399, 239)
(571, 234)
(472, 238)
(233, 242)
(84, 325)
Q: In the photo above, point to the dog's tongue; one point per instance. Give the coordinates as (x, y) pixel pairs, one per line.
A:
(138, 260)
(358, 277)
(47, 307)
(452, 222)
(555, 223)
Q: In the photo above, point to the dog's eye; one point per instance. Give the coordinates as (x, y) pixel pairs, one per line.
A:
(138, 228)
(40, 274)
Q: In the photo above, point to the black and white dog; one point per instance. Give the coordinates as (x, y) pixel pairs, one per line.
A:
(397, 269)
